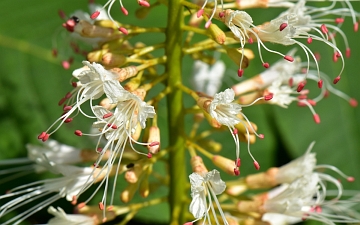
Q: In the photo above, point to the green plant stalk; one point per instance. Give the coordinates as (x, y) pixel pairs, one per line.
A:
(177, 162)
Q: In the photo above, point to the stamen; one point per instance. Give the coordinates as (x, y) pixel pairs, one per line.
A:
(317, 118)
(336, 79)
(324, 29)
(207, 24)
(67, 108)
(339, 20)
(107, 115)
(236, 171)
(199, 13)
(123, 30)
(238, 162)
(95, 15)
(143, 3)
(240, 72)
(149, 155)
(250, 40)
(68, 120)
(42, 135)
(257, 166)
(309, 40)
(78, 133)
(348, 52)
(266, 65)
(46, 137)
(353, 102)
(356, 26)
(289, 58)
(74, 200)
(320, 83)
(81, 205)
(300, 86)
(101, 206)
(268, 97)
(283, 26)
(124, 11)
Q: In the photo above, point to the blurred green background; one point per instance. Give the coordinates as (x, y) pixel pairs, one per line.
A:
(32, 82)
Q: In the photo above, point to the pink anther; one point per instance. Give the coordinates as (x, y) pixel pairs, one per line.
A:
(353, 102)
(283, 26)
(123, 30)
(268, 97)
(339, 20)
(240, 72)
(250, 40)
(317, 118)
(199, 13)
(95, 15)
(107, 115)
(78, 133)
(324, 29)
(266, 65)
(336, 80)
(124, 11)
(309, 40)
(257, 166)
(300, 86)
(236, 171)
(320, 83)
(289, 58)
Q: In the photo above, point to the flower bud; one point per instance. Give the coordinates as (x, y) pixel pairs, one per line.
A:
(154, 136)
(125, 73)
(198, 165)
(137, 133)
(86, 29)
(113, 60)
(133, 174)
(211, 145)
(217, 34)
(144, 188)
(262, 180)
(106, 104)
(236, 55)
(128, 193)
(225, 164)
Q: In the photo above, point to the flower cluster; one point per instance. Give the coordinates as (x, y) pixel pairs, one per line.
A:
(133, 93)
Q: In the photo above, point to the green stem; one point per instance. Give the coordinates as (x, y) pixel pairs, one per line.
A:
(177, 162)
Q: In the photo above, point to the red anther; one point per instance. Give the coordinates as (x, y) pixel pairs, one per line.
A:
(240, 72)
(124, 11)
(268, 97)
(261, 136)
(74, 200)
(350, 179)
(291, 82)
(104, 219)
(317, 56)
(113, 126)
(332, 36)
(311, 102)
(348, 52)
(68, 95)
(62, 14)
(257, 166)
(123, 30)
(250, 40)
(283, 26)
(67, 107)
(336, 80)
(335, 58)
(95, 15)
(99, 150)
(318, 209)
(199, 13)
(236, 171)
(149, 155)
(188, 223)
(45, 138)
(301, 103)
(154, 143)
(101, 206)
(221, 14)
(143, 3)
(300, 86)
(317, 118)
(320, 83)
(356, 26)
(302, 97)
(289, 58)
(74, 84)
(238, 162)
(41, 135)
(54, 52)
(107, 115)
(68, 120)
(95, 165)
(81, 205)
(309, 40)
(339, 20)
(353, 102)
(207, 24)
(235, 131)
(110, 208)
(324, 29)
(266, 65)
(326, 94)
(65, 64)
(78, 133)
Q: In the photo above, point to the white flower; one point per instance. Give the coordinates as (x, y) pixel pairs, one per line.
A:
(280, 219)
(204, 189)
(223, 109)
(74, 181)
(94, 81)
(62, 218)
(298, 167)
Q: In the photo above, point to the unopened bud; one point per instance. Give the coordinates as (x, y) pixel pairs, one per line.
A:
(198, 165)
(211, 145)
(204, 103)
(105, 103)
(113, 60)
(217, 34)
(236, 55)
(144, 188)
(137, 133)
(132, 174)
(225, 164)
(128, 193)
(154, 136)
